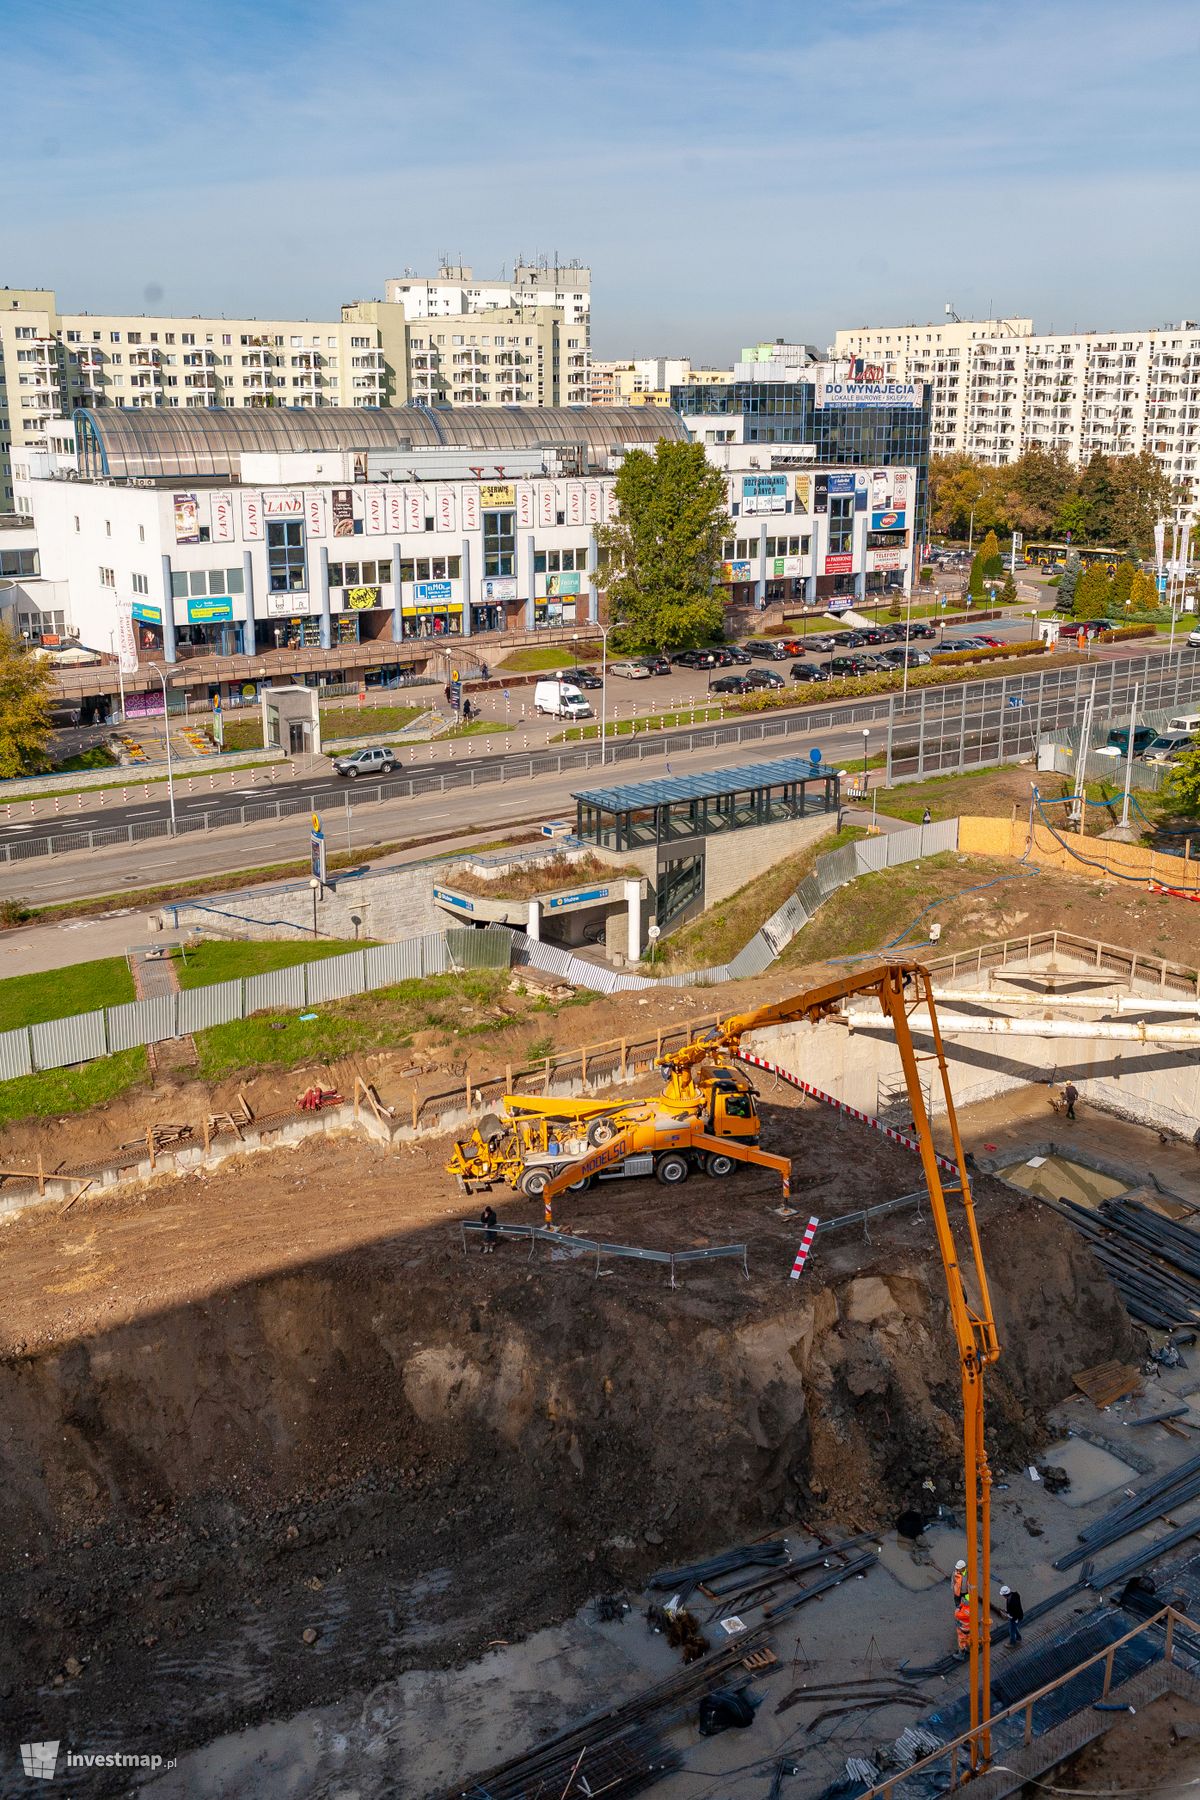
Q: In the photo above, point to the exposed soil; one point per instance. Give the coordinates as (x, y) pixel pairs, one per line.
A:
(1158, 1752)
(280, 1397)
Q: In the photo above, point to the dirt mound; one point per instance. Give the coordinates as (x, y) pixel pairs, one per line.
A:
(282, 1399)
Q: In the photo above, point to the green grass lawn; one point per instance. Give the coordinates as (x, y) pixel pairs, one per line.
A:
(367, 721)
(80, 987)
(686, 715)
(220, 959)
(61, 1091)
(95, 758)
(477, 728)
(548, 656)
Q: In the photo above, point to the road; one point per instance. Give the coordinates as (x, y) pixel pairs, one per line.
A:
(970, 722)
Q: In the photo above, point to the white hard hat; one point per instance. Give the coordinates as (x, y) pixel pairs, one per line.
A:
(960, 1564)
(1005, 1590)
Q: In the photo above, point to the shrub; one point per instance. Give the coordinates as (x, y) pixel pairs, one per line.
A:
(1130, 631)
(1029, 647)
(926, 577)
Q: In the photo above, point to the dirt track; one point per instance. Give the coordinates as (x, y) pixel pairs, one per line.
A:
(281, 1397)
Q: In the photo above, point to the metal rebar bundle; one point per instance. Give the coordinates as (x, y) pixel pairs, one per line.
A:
(1154, 1262)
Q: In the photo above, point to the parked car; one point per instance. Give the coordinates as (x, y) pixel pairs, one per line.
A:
(1193, 638)
(632, 671)
(560, 700)
(723, 657)
(377, 759)
(763, 678)
(1167, 746)
(767, 650)
(694, 659)
(824, 643)
(582, 678)
(918, 629)
(803, 671)
(738, 655)
(993, 643)
(657, 663)
(878, 634)
(1143, 737)
(850, 665)
(732, 684)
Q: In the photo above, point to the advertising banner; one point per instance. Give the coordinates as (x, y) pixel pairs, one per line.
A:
(840, 563)
(546, 507)
(900, 483)
(126, 639)
(498, 493)
(785, 566)
(284, 505)
(526, 505)
(497, 590)
(361, 599)
(889, 521)
(881, 489)
(431, 593)
(210, 612)
(394, 508)
(803, 486)
(840, 484)
(374, 516)
(885, 559)
(187, 519)
(575, 503)
(764, 493)
(414, 509)
(861, 491)
(343, 512)
(735, 571)
(444, 513)
(907, 394)
(558, 585)
(593, 502)
(252, 518)
(224, 529)
(314, 515)
(470, 508)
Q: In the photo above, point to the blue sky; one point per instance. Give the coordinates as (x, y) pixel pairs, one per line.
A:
(730, 172)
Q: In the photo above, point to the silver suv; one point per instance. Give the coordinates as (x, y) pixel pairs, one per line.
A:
(378, 760)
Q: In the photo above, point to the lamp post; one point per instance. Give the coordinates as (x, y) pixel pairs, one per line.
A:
(120, 673)
(167, 735)
(971, 528)
(1129, 757)
(604, 631)
(866, 735)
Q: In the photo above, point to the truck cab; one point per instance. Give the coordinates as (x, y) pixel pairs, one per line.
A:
(733, 1112)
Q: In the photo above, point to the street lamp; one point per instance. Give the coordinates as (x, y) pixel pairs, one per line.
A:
(604, 631)
(971, 527)
(866, 735)
(167, 735)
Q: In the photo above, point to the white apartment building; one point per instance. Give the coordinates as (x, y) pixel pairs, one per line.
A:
(617, 383)
(998, 388)
(542, 295)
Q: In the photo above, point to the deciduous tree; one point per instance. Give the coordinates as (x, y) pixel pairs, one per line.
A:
(1182, 786)
(26, 681)
(663, 551)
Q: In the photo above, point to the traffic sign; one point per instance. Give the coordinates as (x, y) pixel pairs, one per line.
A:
(317, 849)
(814, 756)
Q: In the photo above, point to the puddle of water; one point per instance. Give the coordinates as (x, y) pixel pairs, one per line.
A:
(1057, 1178)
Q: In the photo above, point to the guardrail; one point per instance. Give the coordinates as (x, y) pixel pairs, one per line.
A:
(562, 1240)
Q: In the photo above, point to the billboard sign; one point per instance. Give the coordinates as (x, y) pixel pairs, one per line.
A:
(343, 512)
(885, 559)
(283, 505)
(783, 566)
(148, 615)
(907, 394)
(735, 571)
(840, 484)
(187, 519)
(498, 493)
(496, 590)
(889, 521)
(840, 563)
(764, 493)
(362, 599)
(433, 593)
(557, 585)
(803, 493)
(210, 612)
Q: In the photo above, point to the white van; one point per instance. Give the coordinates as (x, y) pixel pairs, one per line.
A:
(560, 700)
(1183, 724)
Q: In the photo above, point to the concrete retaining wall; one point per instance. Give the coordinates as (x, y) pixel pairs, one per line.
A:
(388, 904)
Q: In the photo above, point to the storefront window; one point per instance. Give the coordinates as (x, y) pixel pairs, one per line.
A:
(841, 523)
(286, 566)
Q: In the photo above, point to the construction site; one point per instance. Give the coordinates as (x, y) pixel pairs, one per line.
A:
(651, 1389)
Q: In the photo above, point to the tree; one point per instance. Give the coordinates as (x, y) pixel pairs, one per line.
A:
(1040, 482)
(1122, 584)
(1141, 493)
(25, 723)
(1182, 786)
(663, 551)
(975, 579)
(1008, 593)
(1144, 594)
(1067, 583)
(1091, 593)
(989, 551)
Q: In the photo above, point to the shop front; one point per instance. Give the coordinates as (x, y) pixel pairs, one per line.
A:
(429, 610)
(784, 578)
(887, 560)
(837, 576)
(361, 617)
(498, 599)
(738, 581)
(210, 628)
(559, 600)
(289, 624)
(147, 628)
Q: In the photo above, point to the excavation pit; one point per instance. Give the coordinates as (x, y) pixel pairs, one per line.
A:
(1056, 1177)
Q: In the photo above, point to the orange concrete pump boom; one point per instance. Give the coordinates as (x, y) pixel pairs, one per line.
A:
(902, 989)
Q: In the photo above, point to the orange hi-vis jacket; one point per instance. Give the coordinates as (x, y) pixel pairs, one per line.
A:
(960, 1585)
(962, 1621)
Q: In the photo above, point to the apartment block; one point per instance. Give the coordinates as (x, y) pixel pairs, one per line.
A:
(999, 388)
(508, 355)
(539, 294)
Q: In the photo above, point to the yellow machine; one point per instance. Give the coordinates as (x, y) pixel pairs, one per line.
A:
(707, 1117)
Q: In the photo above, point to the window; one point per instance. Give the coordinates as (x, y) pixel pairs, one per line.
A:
(108, 527)
(141, 584)
(107, 577)
(499, 543)
(141, 534)
(19, 562)
(286, 568)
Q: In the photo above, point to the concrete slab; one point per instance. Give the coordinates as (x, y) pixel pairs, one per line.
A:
(911, 1566)
(1094, 1472)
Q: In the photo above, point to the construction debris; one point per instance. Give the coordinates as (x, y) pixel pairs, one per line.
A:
(315, 1099)
(1158, 1498)
(772, 1555)
(160, 1137)
(1108, 1382)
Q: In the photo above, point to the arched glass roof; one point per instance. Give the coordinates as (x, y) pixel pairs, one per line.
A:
(164, 441)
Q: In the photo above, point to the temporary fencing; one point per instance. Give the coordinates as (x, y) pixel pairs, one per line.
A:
(562, 1241)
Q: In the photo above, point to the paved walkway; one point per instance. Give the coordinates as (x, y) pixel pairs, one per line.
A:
(154, 974)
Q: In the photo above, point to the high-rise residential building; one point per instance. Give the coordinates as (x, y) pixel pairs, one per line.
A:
(999, 388)
(550, 296)
(639, 379)
(508, 355)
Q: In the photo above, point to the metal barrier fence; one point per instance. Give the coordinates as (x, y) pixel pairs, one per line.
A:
(969, 724)
(562, 1242)
(84, 1036)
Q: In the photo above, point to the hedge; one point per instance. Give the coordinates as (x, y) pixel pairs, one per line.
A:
(1130, 631)
(995, 652)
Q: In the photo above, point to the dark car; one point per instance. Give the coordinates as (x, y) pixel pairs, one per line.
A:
(582, 678)
(694, 659)
(723, 657)
(850, 665)
(732, 684)
(657, 664)
(767, 650)
(763, 678)
(738, 655)
(853, 640)
(810, 672)
(1143, 737)
(919, 630)
(878, 634)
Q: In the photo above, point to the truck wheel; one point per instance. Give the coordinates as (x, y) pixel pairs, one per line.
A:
(601, 1131)
(672, 1168)
(581, 1186)
(533, 1181)
(716, 1164)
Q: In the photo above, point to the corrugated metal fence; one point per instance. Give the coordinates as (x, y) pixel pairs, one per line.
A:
(84, 1036)
(830, 872)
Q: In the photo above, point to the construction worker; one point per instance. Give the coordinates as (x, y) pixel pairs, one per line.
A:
(962, 1625)
(1015, 1611)
(487, 1219)
(959, 1581)
(1070, 1095)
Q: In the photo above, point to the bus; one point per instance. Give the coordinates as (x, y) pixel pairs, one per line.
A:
(1053, 556)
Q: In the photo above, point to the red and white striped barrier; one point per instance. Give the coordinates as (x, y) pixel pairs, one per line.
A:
(805, 1246)
(1156, 887)
(851, 1112)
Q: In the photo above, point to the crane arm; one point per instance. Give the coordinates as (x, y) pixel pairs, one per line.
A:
(814, 1004)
